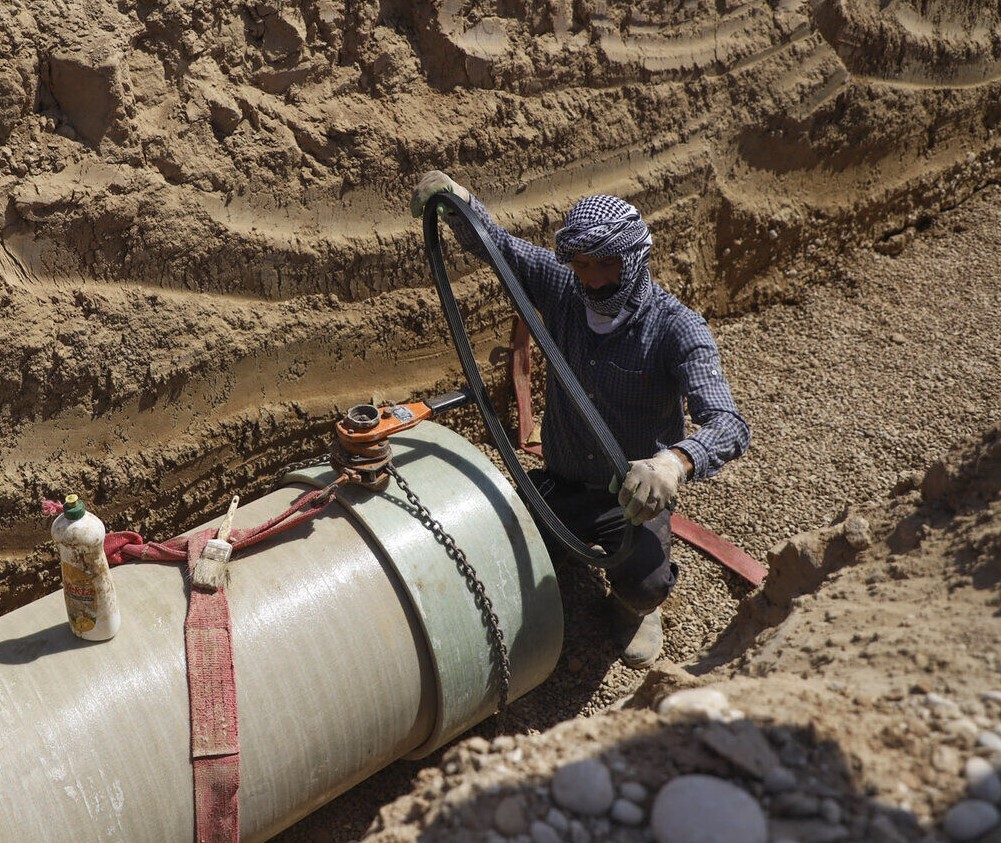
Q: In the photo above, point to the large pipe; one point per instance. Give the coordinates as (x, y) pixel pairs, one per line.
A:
(356, 642)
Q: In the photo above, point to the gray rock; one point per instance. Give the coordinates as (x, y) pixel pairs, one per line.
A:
(795, 804)
(584, 787)
(697, 808)
(793, 755)
(982, 780)
(968, 819)
(625, 812)
(780, 780)
(634, 792)
(543, 833)
(510, 816)
(830, 810)
(989, 740)
(882, 830)
(579, 833)
(557, 819)
(743, 745)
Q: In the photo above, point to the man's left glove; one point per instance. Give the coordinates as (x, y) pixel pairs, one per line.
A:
(650, 486)
(430, 184)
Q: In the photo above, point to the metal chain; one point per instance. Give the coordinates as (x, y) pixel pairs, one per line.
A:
(483, 603)
(310, 462)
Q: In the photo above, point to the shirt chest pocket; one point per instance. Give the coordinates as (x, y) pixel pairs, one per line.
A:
(624, 387)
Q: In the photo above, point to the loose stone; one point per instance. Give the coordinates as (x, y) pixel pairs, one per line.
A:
(982, 781)
(543, 833)
(601, 828)
(557, 819)
(934, 700)
(509, 816)
(503, 743)
(963, 727)
(968, 819)
(634, 792)
(697, 808)
(579, 833)
(830, 811)
(881, 828)
(626, 812)
(780, 780)
(478, 745)
(796, 805)
(584, 787)
(989, 740)
(945, 759)
(707, 703)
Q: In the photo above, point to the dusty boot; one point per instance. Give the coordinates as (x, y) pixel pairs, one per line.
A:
(640, 636)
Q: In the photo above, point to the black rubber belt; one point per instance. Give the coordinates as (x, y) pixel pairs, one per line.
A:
(557, 366)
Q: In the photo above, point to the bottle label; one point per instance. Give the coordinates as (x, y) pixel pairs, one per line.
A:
(80, 594)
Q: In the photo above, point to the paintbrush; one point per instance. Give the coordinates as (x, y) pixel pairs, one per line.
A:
(211, 571)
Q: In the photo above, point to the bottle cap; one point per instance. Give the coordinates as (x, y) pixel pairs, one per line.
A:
(73, 508)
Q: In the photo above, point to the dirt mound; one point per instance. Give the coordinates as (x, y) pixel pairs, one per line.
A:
(868, 691)
(205, 242)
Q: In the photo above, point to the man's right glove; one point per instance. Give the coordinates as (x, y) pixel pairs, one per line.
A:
(649, 486)
(430, 184)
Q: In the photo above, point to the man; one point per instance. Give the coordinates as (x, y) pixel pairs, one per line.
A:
(639, 355)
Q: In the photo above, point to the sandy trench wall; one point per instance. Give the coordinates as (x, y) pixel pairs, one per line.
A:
(206, 252)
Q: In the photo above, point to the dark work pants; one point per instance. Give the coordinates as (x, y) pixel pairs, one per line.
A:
(646, 577)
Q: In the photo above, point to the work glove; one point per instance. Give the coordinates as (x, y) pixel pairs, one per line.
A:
(649, 486)
(429, 185)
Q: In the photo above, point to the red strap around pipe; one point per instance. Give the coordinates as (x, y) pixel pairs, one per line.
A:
(208, 647)
(215, 732)
(125, 546)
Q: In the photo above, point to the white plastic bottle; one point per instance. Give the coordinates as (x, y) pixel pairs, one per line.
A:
(91, 602)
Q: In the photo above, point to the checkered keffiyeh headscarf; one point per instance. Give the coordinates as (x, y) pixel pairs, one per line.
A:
(604, 226)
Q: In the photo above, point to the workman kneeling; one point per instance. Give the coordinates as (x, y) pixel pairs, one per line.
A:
(640, 355)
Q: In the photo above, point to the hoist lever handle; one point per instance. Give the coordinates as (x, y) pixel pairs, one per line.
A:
(365, 424)
(449, 401)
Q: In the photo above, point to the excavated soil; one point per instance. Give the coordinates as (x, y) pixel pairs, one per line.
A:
(206, 257)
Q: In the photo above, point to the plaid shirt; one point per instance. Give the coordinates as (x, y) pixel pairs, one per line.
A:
(638, 376)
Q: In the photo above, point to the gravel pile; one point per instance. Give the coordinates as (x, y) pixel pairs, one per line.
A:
(720, 777)
(865, 380)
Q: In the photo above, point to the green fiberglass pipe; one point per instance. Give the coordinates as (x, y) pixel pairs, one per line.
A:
(356, 642)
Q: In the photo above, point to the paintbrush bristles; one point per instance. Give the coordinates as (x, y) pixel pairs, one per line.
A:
(211, 571)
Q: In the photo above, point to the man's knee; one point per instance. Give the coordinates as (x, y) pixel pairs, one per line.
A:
(647, 577)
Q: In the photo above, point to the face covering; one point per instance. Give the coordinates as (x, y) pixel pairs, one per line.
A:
(603, 226)
(601, 293)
